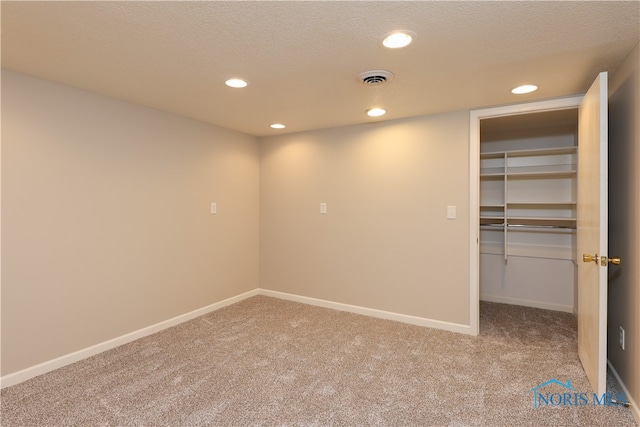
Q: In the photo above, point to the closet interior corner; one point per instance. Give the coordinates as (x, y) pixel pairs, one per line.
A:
(528, 168)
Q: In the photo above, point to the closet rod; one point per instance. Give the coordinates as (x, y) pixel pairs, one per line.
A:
(542, 226)
(567, 227)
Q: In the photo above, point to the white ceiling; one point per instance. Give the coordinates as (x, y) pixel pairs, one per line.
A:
(302, 59)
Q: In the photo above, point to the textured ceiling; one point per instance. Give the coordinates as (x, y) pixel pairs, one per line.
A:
(302, 59)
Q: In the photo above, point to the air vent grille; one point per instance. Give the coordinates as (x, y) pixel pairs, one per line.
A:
(375, 77)
(374, 80)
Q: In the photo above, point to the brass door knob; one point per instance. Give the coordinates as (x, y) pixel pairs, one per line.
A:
(603, 260)
(613, 260)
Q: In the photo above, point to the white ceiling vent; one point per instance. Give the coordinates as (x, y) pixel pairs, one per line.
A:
(375, 77)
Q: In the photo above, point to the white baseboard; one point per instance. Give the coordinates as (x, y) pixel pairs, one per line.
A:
(404, 318)
(48, 366)
(635, 410)
(527, 303)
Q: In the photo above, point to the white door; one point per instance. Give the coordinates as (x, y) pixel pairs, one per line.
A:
(592, 233)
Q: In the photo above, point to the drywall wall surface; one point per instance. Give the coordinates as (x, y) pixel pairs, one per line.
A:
(385, 241)
(106, 223)
(624, 223)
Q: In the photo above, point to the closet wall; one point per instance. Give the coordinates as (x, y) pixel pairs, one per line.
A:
(528, 209)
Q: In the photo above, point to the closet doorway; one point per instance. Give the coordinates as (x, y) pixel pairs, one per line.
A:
(493, 241)
(528, 172)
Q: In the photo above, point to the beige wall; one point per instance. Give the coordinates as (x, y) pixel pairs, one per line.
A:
(385, 242)
(624, 223)
(105, 218)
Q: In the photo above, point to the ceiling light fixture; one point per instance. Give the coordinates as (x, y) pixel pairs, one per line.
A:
(278, 126)
(236, 83)
(398, 39)
(520, 90)
(376, 112)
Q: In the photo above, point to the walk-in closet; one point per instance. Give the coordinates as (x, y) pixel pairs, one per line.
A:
(528, 168)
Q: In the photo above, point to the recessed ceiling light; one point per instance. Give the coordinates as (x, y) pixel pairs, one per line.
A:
(237, 83)
(376, 112)
(398, 39)
(524, 89)
(278, 126)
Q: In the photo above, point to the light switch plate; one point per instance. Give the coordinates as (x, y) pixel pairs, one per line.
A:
(451, 212)
(214, 208)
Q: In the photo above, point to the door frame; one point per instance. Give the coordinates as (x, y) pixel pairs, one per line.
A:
(474, 186)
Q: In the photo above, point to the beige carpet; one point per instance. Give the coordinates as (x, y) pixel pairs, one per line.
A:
(268, 362)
